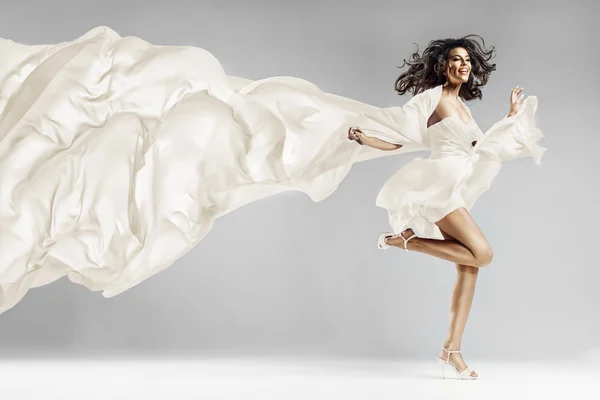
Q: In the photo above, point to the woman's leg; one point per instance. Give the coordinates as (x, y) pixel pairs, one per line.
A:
(460, 306)
(466, 244)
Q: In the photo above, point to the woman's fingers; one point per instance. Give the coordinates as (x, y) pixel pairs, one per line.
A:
(516, 94)
(353, 133)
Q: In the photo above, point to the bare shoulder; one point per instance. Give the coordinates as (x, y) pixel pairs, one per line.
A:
(447, 107)
(444, 109)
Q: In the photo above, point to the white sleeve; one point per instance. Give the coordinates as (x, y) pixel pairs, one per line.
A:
(405, 125)
(514, 137)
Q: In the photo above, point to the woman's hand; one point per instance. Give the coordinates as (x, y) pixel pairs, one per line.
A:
(354, 133)
(516, 96)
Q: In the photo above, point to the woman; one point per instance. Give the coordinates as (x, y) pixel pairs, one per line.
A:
(441, 189)
(119, 155)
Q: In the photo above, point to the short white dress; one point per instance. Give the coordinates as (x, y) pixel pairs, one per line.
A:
(462, 163)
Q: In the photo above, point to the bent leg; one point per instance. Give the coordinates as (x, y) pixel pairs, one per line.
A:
(468, 246)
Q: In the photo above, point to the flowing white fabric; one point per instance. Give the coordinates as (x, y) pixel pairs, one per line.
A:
(116, 155)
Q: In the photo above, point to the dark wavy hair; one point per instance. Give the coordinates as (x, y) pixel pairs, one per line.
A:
(425, 71)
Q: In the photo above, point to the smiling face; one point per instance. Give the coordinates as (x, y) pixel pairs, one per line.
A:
(459, 66)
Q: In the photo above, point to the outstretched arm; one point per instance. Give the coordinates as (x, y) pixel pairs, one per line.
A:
(378, 143)
(355, 133)
(516, 135)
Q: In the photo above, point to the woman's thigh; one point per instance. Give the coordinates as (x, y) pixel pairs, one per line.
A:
(460, 225)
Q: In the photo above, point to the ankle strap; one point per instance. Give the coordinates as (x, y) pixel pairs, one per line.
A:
(451, 351)
(406, 240)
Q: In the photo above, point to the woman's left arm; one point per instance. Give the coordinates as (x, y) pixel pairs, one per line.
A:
(516, 135)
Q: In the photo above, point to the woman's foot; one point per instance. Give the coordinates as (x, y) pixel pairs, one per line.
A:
(398, 241)
(455, 359)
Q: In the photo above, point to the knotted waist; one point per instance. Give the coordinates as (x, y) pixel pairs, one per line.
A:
(453, 149)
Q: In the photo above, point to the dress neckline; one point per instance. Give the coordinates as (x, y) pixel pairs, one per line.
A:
(457, 117)
(462, 103)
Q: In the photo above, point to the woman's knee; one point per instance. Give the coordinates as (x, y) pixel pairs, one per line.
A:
(483, 255)
(459, 225)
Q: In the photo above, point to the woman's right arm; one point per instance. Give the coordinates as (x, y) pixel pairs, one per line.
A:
(355, 133)
(378, 143)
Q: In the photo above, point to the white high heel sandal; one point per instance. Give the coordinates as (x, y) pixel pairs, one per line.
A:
(382, 245)
(465, 374)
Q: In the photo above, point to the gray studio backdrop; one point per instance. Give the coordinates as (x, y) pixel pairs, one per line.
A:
(285, 275)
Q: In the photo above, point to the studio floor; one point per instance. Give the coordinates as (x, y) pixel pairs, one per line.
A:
(289, 379)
